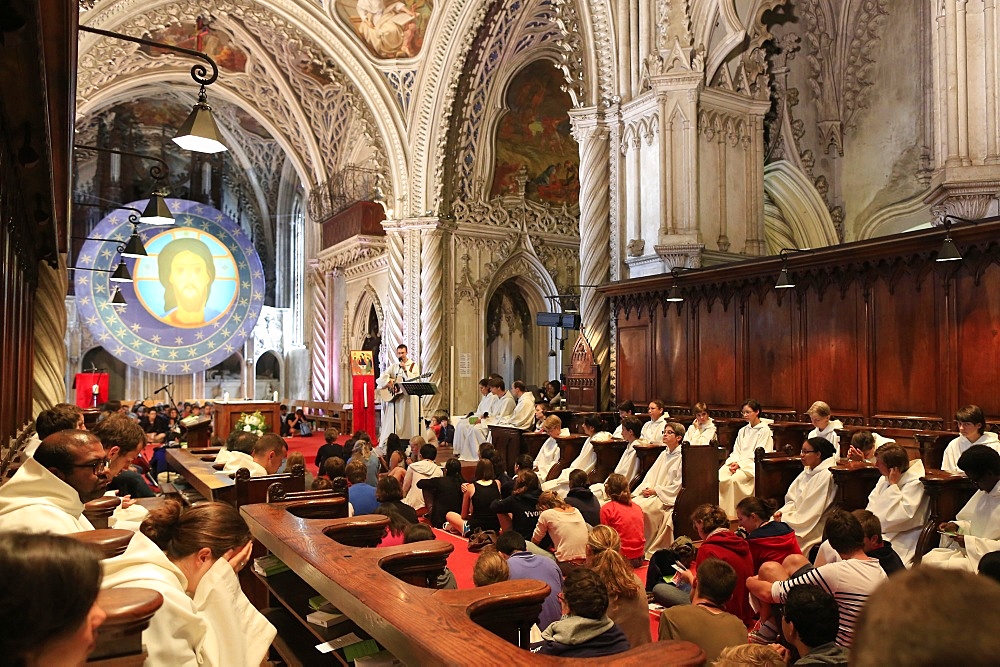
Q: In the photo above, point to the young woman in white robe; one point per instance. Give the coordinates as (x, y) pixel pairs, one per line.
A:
(702, 430)
(898, 499)
(972, 431)
(810, 494)
(658, 491)
(548, 455)
(652, 431)
(736, 476)
(191, 557)
(585, 460)
(823, 426)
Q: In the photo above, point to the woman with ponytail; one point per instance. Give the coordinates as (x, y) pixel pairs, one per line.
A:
(626, 596)
(625, 517)
(191, 557)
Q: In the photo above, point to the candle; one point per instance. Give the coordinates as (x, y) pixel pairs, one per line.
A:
(365, 388)
(96, 389)
(276, 396)
(225, 397)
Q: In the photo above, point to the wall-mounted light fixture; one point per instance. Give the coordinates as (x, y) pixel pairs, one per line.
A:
(199, 132)
(133, 247)
(157, 212)
(117, 298)
(784, 281)
(674, 293)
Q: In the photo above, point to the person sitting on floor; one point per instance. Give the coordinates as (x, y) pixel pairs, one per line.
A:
(425, 468)
(490, 568)
(477, 503)
(564, 525)
(581, 497)
(520, 510)
(625, 517)
(749, 655)
(49, 490)
(421, 532)
(627, 605)
(768, 539)
(48, 599)
(875, 546)
(298, 459)
(712, 525)
(585, 629)
(809, 622)
(330, 447)
(390, 498)
(522, 564)
(445, 492)
(664, 583)
(360, 494)
(705, 621)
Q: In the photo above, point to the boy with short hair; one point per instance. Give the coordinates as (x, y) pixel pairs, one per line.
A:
(585, 629)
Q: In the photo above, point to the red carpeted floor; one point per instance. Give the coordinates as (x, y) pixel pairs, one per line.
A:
(309, 445)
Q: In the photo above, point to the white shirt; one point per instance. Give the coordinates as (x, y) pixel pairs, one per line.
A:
(959, 445)
(697, 434)
(829, 433)
(902, 509)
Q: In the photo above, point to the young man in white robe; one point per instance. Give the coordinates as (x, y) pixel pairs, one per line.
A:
(471, 432)
(972, 431)
(702, 430)
(628, 464)
(658, 490)
(652, 431)
(898, 499)
(976, 528)
(810, 494)
(521, 404)
(625, 409)
(269, 452)
(823, 425)
(585, 461)
(49, 490)
(736, 476)
(548, 454)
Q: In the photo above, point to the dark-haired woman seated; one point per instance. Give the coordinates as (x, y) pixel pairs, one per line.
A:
(389, 494)
(768, 539)
(48, 600)
(191, 557)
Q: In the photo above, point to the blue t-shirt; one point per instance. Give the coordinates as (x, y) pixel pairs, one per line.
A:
(526, 565)
(362, 497)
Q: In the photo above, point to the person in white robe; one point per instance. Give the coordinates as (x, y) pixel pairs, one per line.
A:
(48, 492)
(549, 453)
(268, 456)
(898, 499)
(976, 528)
(585, 460)
(625, 409)
(471, 431)
(401, 412)
(810, 494)
(823, 426)
(205, 620)
(702, 430)
(736, 476)
(972, 431)
(863, 446)
(628, 464)
(657, 492)
(652, 431)
(518, 407)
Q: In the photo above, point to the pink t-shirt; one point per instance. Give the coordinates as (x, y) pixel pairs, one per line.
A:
(627, 520)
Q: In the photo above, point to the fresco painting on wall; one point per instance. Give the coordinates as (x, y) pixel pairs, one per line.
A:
(389, 28)
(201, 36)
(534, 135)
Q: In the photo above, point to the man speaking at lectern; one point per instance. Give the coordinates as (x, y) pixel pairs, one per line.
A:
(399, 411)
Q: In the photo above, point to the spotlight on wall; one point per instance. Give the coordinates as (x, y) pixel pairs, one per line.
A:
(784, 280)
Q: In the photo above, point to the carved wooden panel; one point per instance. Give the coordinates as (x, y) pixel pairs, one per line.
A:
(977, 348)
(770, 352)
(670, 356)
(718, 382)
(833, 351)
(905, 348)
(634, 377)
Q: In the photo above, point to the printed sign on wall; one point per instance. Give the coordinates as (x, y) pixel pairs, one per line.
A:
(194, 299)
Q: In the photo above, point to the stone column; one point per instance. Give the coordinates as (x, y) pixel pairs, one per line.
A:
(393, 334)
(320, 326)
(433, 333)
(49, 332)
(337, 297)
(592, 134)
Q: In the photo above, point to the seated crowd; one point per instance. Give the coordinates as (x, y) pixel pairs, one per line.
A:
(806, 582)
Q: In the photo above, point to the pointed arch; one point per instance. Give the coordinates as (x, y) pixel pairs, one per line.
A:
(802, 208)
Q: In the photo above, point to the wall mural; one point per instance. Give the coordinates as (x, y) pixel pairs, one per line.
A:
(201, 36)
(195, 298)
(389, 28)
(534, 135)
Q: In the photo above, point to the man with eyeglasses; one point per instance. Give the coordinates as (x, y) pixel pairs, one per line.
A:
(658, 491)
(49, 490)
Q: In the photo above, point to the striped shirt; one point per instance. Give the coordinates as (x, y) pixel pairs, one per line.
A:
(849, 581)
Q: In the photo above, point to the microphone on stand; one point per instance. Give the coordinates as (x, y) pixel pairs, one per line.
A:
(163, 388)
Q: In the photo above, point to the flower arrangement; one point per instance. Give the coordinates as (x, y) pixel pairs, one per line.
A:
(251, 423)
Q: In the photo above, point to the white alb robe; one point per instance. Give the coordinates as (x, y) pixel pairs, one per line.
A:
(403, 412)
(735, 486)
(468, 436)
(628, 467)
(902, 509)
(548, 455)
(239, 460)
(808, 498)
(217, 627)
(652, 431)
(36, 501)
(697, 434)
(521, 414)
(979, 521)
(829, 433)
(585, 461)
(959, 445)
(658, 511)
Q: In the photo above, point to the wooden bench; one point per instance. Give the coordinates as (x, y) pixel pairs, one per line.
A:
(774, 473)
(328, 414)
(699, 484)
(463, 625)
(855, 482)
(608, 454)
(947, 494)
(789, 436)
(726, 430)
(508, 442)
(646, 455)
(569, 448)
(99, 510)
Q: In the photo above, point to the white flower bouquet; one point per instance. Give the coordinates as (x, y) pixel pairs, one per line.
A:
(251, 423)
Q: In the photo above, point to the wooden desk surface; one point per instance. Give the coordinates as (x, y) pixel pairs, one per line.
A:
(209, 482)
(353, 579)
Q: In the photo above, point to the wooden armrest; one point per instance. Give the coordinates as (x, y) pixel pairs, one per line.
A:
(414, 563)
(100, 510)
(329, 507)
(129, 611)
(110, 541)
(366, 530)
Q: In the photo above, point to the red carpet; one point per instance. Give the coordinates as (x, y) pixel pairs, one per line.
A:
(309, 445)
